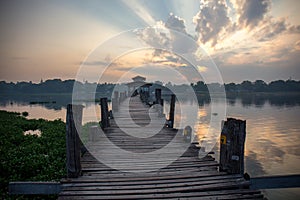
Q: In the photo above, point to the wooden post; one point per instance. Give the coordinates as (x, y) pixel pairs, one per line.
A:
(104, 113)
(122, 96)
(232, 146)
(143, 95)
(93, 133)
(73, 143)
(115, 101)
(161, 110)
(172, 111)
(158, 96)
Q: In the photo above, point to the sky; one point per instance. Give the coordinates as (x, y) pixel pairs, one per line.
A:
(247, 40)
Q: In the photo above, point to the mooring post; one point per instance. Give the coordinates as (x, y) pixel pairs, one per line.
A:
(172, 111)
(104, 113)
(122, 96)
(93, 133)
(73, 143)
(115, 101)
(232, 146)
(158, 102)
(158, 96)
(161, 110)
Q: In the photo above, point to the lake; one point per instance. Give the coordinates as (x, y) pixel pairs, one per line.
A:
(272, 140)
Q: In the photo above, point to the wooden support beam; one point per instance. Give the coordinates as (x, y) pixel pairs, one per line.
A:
(159, 102)
(172, 111)
(232, 146)
(73, 143)
(158, 96)
(272, 182)
(104, 113)
(122, 96)
(36, 188)
(161, 110)
(93, 133)
(115, 101)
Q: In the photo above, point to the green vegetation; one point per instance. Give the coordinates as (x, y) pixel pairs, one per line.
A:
(30, 158)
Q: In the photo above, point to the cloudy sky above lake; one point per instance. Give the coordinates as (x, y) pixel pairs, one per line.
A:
(255, 39)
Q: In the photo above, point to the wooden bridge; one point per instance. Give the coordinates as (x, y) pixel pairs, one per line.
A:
(140, 174)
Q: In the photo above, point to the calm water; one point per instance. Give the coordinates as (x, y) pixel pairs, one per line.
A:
(272, 141)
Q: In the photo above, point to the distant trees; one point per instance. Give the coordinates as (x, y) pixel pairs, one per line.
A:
(248, 86)
(200, 86)
(55, 86)
(52, 86)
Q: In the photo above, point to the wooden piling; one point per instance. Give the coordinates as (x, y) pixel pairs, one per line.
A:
(161, 109)
(73, 143)
(158, 96)
(93, 130)
(104, 113)
(232, 146)
(172, 111)
(115, 101)
(122, 96)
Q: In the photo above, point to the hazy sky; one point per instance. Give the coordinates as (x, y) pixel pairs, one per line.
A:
(255, 39)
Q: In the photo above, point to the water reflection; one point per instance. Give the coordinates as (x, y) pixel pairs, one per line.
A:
(260, 99)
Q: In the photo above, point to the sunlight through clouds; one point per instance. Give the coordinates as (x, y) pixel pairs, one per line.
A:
(141, 11)
(235, 33)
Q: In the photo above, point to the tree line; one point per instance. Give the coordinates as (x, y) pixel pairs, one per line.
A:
(248, 86)
(66, 86)
(52, 86)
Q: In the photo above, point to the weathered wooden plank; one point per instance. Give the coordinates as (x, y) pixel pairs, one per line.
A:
(271, 182)
(158, 181)
(102, 187)
(29, 187)
(114, 190)
(215, 194)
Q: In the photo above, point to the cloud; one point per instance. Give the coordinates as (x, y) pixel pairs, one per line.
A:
(176, 23)
(155, 37)
(170, 35)
(94, 63)
(212, 20)
(250, 13)
(297, 46)
(294, 29)
(271, 28)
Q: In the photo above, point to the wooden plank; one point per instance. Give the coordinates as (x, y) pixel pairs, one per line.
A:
(102, 187)
(44, 188)
(127, 182)
(272, 182)
(215, 194)
(114, 190)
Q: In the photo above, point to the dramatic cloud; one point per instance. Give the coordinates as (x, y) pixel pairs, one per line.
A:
(250, 13)
(297, 46)
(176, 23)
(212, 20)
(170, 35)
(294, 29)
(270, 29)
